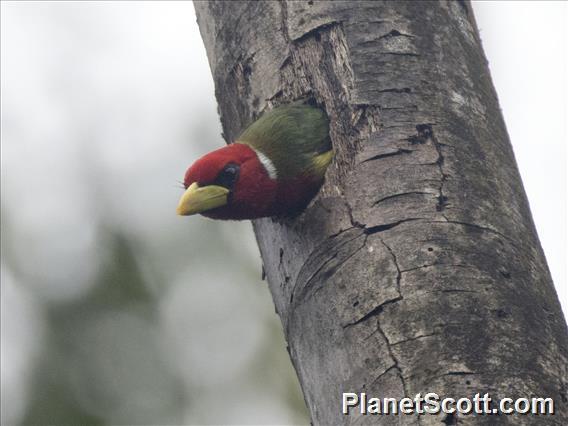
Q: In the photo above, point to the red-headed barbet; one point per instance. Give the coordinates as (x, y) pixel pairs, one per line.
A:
(274, 168)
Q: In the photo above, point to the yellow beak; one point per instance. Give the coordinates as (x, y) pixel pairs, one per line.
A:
(197, 200)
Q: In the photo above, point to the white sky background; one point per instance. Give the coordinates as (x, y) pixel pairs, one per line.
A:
(138, 72)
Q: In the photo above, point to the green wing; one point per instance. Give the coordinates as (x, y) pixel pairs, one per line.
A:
(296, 139)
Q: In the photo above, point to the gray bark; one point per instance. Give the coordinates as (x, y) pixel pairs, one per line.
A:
(418, 267)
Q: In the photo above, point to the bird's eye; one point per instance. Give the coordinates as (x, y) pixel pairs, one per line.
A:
(228, 176)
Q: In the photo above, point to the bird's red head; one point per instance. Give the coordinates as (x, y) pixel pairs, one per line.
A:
(275, 167)
(229, 183)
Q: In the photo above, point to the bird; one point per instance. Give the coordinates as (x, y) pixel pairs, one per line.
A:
(274, 168)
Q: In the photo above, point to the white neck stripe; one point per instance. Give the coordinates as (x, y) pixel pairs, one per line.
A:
(268, 165)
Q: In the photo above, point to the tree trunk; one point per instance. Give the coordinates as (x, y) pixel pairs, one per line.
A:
(418, 267)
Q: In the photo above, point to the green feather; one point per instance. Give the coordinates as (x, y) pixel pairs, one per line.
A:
(295, 138)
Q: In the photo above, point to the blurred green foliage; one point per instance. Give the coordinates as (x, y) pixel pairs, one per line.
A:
(115, 310)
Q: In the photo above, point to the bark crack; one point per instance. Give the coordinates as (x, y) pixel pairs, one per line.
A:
(400, 53)
(340, 264)
(457, 265)
(394, 358)
(394, 366)
(425, 134)
(390, 34)
(285, 30)
(301, 288)
(410, 339)
(380, 228)
(460, 373)
(442, 199)
(354, 223)
(399, 151)
(378, 309)
(373, 312)
(396, 90)
(402, 194)
(398, 271)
